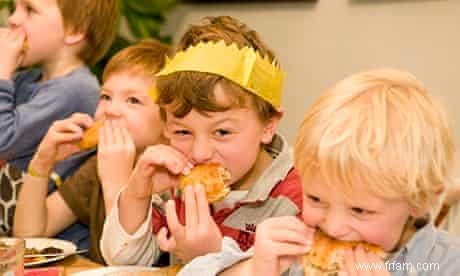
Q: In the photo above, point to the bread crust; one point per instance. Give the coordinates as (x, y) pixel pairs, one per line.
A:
(212, 176)
(91, 136)
(327, 255)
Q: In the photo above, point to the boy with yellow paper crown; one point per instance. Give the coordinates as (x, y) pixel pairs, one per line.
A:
(220, 99)
(60, 39)
(373, 153)
(130, 121)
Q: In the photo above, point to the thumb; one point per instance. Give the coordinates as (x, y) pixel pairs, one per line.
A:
(165, 243)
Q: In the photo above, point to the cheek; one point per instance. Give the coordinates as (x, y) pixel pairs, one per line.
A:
(384, 234)
(311, 216)
(98, 115)
(184, 145)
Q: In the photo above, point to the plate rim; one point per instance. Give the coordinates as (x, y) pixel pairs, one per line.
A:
(71, 245)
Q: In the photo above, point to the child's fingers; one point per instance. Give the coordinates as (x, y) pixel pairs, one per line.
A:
(66, 127)
(350, 263)
(290, 236)
(191, 212)
(290, 223)
(66, 137)
(289, 249)
(378, 262)
(204, 214)
(82, 119)
(165, 243)
(127, 139)
(175, 227)
(361, 258)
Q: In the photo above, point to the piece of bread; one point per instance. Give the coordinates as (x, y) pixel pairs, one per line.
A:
(91, 136)
(25, 46)
(212, 176)
(327, 255)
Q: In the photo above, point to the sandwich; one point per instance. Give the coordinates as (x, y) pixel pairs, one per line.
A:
(327, 255)
(90, 137)
(212, 176)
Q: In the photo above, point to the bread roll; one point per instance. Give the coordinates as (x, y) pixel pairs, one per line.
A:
(212, 176)
(327, 255)
(91, 136)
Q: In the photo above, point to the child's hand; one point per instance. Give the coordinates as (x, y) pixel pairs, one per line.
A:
(358, 262)
(115, 156)
(200, 234)
(156, 171)
(11, 51)
(279, 241)
(59, 142)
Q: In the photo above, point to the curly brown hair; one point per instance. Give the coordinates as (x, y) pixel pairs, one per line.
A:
(195, 90)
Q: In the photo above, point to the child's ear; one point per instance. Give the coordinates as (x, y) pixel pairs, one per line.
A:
(415, 212)
(271, 126)
(72, 37)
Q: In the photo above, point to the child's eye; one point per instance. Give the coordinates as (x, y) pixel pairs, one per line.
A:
(314, 200)
(104, 97)
(222, 132)
(181, 132)
(133, 100)
(29, 9)
(361, 211)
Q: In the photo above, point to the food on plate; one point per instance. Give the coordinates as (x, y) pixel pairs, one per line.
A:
(327, 255)
(90, 137)
(212, 176)
(35, 251)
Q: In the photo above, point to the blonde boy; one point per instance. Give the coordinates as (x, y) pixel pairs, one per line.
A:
(373, 153)
(209, 119)
(131, 122)
(59, 38)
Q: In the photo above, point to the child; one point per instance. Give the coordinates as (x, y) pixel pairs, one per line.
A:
(211, 116)
(131, 122)
(59, 38)
(373, 152)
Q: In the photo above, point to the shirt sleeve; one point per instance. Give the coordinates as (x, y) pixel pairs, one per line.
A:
(214, 263)
(121, 248)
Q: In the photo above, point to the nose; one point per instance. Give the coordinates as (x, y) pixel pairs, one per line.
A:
(335, 225)
(202, 151)
(112, 109)
(15, 19)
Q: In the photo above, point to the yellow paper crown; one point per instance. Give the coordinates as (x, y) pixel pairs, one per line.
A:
(245, 67)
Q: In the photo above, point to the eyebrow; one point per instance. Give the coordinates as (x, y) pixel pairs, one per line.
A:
(178, 121)
(32, 3)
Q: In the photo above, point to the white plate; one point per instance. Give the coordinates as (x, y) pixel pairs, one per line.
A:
(40, 243)
(111, 269)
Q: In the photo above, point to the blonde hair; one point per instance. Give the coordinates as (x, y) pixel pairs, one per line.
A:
(97, 19)
(195, 90)
(380, 128)
(146, 58)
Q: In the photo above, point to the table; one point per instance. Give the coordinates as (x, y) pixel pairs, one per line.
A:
(77, 263)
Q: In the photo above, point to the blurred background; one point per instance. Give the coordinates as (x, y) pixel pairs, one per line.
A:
(320, 42)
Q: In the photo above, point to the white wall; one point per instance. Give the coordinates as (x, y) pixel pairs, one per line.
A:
(320, 43)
